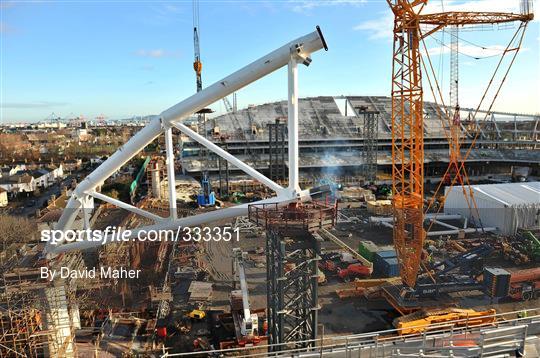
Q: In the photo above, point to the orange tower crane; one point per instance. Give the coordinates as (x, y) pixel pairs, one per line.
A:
(408, 124)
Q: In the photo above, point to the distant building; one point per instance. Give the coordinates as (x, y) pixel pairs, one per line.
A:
(81, 133)
(72, 164)
(45, 177)
(3, 198)
(16, 184)
(42, 178)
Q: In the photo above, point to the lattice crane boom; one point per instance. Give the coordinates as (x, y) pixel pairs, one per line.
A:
(407, 139)
(197, 64)
(407, 121)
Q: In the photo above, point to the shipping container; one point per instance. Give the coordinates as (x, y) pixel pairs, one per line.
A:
(383, 263)
(385, 254)
(387, 267)
(367, 249)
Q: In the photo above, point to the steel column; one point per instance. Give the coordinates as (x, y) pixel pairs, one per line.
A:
(173, 213)
(293, 125)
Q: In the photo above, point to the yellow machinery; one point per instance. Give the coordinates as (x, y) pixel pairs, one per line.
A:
(423, 320)
(197, 314)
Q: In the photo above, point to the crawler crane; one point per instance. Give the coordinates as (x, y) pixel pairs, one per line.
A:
(408, 126)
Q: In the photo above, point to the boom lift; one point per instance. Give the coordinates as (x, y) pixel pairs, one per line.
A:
(245, 322)
(408, 130)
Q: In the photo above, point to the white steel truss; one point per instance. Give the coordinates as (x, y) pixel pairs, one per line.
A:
(81, 200)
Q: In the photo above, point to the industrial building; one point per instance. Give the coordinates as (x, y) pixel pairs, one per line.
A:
(504, 206)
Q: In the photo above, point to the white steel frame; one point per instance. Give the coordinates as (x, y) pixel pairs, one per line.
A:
(297, 51)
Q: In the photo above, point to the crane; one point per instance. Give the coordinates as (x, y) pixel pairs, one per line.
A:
(246, 321)
(407, 120)
(197, 64)
(206, 196)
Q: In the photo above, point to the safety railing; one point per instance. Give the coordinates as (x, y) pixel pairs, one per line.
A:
(509, 332)
(309, 217)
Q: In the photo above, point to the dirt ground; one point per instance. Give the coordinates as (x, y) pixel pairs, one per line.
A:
(338, 316)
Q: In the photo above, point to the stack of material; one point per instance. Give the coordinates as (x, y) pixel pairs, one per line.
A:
(350, 292)
(200, 291)
(380, 207)
(237, 303)
(496, 281)
(358, 193)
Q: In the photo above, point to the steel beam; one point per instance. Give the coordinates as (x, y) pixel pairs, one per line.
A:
(230, 158)
(170, 173)
(125, 206)
(294, 186)
(307, 44)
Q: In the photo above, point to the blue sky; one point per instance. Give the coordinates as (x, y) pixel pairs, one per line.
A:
(126, 58)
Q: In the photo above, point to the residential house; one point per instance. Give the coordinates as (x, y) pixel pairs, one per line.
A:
(57, 171)
(18, 183)
(72, 164)
(9, 171)
(3, 198)
(42, 178)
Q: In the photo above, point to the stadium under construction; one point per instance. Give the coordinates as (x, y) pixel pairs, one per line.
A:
(333, 226)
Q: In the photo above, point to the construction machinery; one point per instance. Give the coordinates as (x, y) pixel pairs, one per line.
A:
(246, 323)
(525, 284)
(423, 320)
(197, 314)
(206, 196)
(353, 271)
(438, 280)
(408, 130)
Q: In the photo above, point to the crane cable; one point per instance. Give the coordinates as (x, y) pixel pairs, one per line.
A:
(508, 49)
(465, 54)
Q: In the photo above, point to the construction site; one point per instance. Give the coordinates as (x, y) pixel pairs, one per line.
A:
(339, 226)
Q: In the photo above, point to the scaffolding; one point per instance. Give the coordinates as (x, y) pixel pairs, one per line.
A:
(20, 327)
(224, 173)
(369, 154)
(36, 317)
(292, 253)
(276, 150)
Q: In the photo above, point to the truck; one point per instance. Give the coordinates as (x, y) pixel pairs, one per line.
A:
(525, 284)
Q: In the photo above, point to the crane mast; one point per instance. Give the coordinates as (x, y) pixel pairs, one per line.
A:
(206, 196)
(407, 139)
(197, 64)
